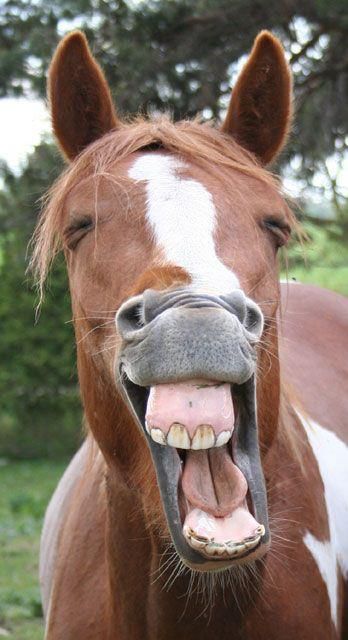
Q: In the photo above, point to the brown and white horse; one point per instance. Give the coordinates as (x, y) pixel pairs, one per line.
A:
(209, 499)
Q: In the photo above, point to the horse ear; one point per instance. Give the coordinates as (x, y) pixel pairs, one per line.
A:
(79, 96)
(259, 113)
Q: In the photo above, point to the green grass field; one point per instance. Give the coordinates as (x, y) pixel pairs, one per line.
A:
(25, 491)
(327, 277)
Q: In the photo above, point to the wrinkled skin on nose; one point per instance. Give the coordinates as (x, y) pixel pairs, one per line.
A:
(180, 335)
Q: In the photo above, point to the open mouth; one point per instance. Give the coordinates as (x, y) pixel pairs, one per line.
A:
(204, 443)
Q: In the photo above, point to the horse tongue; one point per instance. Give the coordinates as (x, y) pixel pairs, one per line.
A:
(212, 482)
(216, 507)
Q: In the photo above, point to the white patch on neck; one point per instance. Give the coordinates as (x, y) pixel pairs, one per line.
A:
(332, 458)
(182, 215)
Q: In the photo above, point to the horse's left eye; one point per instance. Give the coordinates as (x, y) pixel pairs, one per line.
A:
(280, 230)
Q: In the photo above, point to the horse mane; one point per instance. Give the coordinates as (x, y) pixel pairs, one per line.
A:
(201, 143)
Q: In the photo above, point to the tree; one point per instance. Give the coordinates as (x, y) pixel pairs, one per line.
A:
(39, 404)
(180, 55)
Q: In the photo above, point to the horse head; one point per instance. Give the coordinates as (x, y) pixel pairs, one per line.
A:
(171, 233)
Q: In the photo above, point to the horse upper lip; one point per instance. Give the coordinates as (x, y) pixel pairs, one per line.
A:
(180, 335)
(185, 344)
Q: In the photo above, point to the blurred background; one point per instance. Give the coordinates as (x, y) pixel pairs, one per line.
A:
(176, 55)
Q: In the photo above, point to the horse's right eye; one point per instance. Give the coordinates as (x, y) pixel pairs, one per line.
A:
(77, 230)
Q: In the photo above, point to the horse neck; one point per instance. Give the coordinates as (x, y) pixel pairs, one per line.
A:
(155, 597)
(149, 589)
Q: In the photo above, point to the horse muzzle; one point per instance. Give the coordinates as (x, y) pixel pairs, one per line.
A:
(187, 365)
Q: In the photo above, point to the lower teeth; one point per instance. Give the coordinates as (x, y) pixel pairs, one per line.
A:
(229, 548)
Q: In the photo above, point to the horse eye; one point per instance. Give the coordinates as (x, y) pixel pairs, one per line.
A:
(77, 230)
(280, 229)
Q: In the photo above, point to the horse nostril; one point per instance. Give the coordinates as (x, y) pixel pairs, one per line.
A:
(130, 315)
(247, 311)
(253, 321)
(238, 303)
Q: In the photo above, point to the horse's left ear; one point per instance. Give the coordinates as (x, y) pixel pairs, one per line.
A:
(259, 114)
(81, 106)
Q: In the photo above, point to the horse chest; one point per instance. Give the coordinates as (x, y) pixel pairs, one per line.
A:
(331, 555)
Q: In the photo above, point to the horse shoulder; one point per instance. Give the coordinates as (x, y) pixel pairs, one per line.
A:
(314, 332)
(313, 353)
(69, 517)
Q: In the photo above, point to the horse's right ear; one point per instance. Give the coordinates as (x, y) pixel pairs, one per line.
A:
(79, 96)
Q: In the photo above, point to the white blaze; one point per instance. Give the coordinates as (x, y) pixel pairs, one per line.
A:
(182, 214)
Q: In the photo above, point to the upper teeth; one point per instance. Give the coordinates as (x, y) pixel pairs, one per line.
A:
(178, 437)
(158, 436)
(204, 438)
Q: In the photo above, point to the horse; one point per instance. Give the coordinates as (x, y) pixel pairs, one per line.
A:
(209, 497)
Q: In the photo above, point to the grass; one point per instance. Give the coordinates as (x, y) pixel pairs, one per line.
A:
(25, 491)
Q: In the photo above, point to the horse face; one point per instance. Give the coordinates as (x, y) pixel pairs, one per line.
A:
(172, 266)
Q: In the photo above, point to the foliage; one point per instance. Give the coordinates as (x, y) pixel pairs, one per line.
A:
(322, 259)
(322, 246)
(38, 378)
(25, 491)
(179, 55)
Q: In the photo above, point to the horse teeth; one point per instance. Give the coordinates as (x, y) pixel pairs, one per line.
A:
(197, 544)
(228, 549)
(231, 550)
(158, 436)
(260, 531)
(238, 548)
(190, 533)
(235, 548)
(147, 427)
(222, 438)
(252, 543)
(213, 549)
(221, 549)
(178, 437)
(204, 437)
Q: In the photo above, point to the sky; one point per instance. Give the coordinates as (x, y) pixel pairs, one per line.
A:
(23, 122)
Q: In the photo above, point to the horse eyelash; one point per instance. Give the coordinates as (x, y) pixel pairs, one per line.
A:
(80, 223)
(80, 227)
(280, 229)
